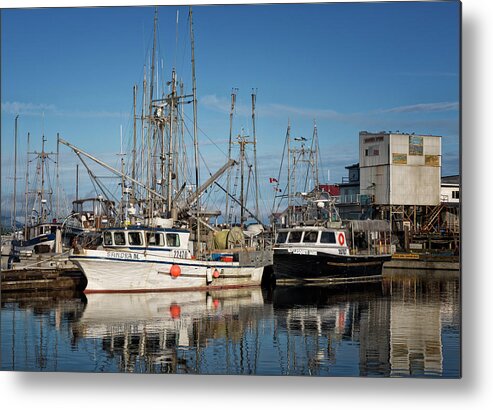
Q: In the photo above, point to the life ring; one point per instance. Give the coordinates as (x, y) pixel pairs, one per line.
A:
(340, 238)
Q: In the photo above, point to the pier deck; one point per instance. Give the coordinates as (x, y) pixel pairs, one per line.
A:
(42, 279)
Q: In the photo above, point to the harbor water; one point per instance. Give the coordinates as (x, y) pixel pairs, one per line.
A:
(405, 325)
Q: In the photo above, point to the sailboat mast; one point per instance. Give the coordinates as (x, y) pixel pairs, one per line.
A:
(14, 223)
(195, 135)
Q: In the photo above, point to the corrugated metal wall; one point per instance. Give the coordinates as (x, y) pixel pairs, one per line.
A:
(400, 169)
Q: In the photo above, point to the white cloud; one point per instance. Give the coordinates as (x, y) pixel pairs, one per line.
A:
(38, 110)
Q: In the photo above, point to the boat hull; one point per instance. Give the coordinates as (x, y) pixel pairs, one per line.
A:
(325, 266)
(135, 272)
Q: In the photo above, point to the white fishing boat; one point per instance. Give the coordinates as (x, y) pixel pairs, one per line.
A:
(162, 237)
(136, 259)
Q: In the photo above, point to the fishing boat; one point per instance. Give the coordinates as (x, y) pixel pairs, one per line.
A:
(312, 243)
(141, 259)
(43, 241)
(318, 253)
(162, 238)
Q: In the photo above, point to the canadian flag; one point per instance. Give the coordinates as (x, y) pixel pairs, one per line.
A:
(271, 180)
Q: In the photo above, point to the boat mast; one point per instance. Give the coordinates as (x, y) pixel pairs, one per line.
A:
(42, 179)
(27, 188)
(195, 135)
(57, 176)
(289, 173)
(14, 223)
(170, 146)
(254, 97)
(134, 150)
(228, 181)
(242, 142)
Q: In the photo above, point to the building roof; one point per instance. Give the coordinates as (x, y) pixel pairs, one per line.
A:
(451, 179)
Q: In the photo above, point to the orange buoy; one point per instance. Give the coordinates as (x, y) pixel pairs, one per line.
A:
(215, 302)
(175, 311)
(175, 271)
(215, 273)
(340, 238)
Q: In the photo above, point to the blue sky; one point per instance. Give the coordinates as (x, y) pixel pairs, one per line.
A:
(349, 66)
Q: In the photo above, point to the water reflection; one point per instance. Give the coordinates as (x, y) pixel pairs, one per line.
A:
(404, 325)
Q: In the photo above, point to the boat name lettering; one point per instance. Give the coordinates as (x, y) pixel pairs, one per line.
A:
(302, 251)
(343, 251)
(123, 255)
(180, 253)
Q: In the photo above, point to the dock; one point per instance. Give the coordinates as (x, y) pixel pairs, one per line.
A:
(423, 262)
(20, 280)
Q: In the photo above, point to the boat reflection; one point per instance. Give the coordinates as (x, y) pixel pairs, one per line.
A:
(405, 325)
(156, 331)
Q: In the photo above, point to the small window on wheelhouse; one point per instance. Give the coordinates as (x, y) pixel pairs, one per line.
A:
(173, 239)
(295, 236)
(281, 237)
(310, 237)
(119, 238)
(155, 239)
(135, 239)
(108, 239)
(328, 237)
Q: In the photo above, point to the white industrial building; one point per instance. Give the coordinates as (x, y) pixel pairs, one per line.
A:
(400, 169)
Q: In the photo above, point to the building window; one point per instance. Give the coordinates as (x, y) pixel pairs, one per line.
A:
(366, 152)
(415, 145)
(455, 194)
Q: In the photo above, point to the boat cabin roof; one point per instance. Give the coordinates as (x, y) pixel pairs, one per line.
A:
(146, 229)
(309, 228)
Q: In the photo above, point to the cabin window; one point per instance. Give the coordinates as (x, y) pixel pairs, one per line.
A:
(328, 237)
(173, 239)
(455, 194)
(155, 239)
(108, 239)
(53, 229)
(310, 237)
(281, 237)
(295, 236)
(135, 239)
(119, 238)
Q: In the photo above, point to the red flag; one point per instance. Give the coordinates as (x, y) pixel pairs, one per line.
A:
(271, 180)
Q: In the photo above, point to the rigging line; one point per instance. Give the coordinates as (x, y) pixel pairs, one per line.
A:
(213, 143)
